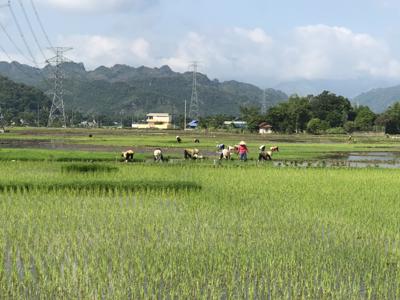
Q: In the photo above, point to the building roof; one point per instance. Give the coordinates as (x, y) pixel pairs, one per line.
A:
(158, 114)
(235, 123)
(193, 123)
(264, 125)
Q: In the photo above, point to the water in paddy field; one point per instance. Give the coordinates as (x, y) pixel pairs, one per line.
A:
(385, 160)
(372, 156)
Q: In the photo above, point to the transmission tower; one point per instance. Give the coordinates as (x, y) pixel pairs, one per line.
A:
(264, 103)
(57, 106)
(194, 111)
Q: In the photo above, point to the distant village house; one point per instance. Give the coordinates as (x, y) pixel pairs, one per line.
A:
(156, 121)
(235, 124)
(265, 128)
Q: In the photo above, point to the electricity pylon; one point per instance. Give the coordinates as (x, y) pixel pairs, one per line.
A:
(57, 107)
(194, 110)
(264, 103)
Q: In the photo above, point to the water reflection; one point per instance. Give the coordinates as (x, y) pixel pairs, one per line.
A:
(386, 160)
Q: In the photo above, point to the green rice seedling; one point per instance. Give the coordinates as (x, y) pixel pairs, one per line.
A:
(100, 185)
(245, 232)
(88, 168)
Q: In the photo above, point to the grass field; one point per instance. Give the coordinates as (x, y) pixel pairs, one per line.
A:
(109, 230)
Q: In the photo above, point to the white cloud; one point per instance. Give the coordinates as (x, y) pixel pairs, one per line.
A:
(90, 6)
(256, 35)
(235, 53)
(96, 50)
(140, 48)
(311, 52)
(322, 51)
(252, 55)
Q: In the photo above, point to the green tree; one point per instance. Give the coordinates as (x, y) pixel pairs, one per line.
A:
(365, 118)
(214, 121)
(252, 116)
(19, 101)
(291, 116)
(317, 126)
(331, 108)
(350, 126)
(299, 113)
(390, 119)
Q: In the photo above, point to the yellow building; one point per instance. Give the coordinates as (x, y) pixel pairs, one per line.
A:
(159, 120)
(156, 121)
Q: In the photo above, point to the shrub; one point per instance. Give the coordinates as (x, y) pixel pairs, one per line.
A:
(336, 130)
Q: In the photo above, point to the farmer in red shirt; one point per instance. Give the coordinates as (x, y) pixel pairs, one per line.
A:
(243, 151)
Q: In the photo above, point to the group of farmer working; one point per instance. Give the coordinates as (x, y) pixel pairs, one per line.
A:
(240, 150)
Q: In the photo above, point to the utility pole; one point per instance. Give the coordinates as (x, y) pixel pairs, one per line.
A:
(2, 126)
(194, 110)
(264, 103)
(72, 118)
(122, 112)
(184, 118)
(38, 115)
(57, 107)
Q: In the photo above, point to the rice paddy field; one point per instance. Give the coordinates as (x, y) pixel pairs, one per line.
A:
(80, 224)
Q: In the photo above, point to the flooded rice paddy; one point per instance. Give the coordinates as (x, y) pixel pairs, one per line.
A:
(376, 159)
(386, 160)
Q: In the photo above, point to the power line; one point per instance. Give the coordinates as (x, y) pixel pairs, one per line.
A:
(31, 29)
(13, 42)
(5, 53)
(18, 66)
(22, 34)
(20, 52)
(41, 24)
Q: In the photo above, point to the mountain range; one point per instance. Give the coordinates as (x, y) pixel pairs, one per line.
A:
(377, 94)
(379, 99)
(122, 89)
(349, 88)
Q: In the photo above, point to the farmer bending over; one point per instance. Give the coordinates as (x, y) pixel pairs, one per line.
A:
(128, 155)
(158, 155)
(191, 153)
(225, 154)
(264, 155)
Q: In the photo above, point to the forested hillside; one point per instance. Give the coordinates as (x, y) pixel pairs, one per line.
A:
(21, 104)
(125, 90)
(379, 99)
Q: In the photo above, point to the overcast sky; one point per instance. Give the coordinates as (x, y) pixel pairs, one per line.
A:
(256, 41)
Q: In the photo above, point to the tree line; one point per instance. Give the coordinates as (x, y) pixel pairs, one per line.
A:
(324, 113)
